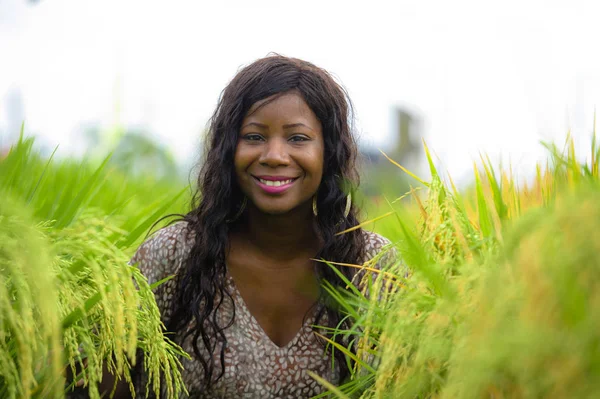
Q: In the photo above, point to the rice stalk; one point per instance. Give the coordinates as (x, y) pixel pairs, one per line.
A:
(70, 304)
(502, 295)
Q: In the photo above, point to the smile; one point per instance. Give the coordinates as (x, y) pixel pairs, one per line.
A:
(274, 185)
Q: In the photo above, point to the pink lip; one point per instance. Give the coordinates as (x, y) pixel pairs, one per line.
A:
(274, 189)
(275, 178)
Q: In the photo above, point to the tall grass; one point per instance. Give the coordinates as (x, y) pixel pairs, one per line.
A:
(502, 299)
(494, 292)
(69, 303)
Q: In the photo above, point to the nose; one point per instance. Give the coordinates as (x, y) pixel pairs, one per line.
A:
(275, 154)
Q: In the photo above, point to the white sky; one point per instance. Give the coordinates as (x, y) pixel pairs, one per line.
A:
(495, 77)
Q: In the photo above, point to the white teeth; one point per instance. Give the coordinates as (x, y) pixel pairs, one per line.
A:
(275, 183)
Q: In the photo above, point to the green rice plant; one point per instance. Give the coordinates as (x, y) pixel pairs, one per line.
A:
(70, 304)
(458, 326)
(29, 318)
(533, 328)
(60, 191)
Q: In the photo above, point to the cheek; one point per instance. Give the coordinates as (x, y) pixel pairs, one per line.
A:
(317, 166)
(320, 167)
(240, 160)
(239, 166)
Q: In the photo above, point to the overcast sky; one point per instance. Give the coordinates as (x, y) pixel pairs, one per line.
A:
(495, 77)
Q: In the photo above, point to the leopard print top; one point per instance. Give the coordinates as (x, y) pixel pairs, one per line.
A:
(255, 367)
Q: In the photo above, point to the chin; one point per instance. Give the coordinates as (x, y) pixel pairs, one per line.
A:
(275, 211)
(283, 208)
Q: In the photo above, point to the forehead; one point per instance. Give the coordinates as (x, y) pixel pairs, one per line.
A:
(282, 106)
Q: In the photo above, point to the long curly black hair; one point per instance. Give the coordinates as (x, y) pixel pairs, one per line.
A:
(201, 282)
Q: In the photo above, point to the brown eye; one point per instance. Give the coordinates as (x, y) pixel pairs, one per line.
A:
(298, 138)
(253, 137)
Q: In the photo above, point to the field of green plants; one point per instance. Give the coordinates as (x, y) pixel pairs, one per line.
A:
(495, 292)
(69, 299)
(503, 295)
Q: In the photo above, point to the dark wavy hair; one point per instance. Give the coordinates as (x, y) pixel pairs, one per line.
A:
(201, 282)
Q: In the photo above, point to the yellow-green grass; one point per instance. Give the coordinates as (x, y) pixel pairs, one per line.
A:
(69, 302)
(501, 299)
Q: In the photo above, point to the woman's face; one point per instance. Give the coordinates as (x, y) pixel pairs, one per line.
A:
(279, 155)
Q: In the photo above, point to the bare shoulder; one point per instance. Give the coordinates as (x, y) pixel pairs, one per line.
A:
(164, 252)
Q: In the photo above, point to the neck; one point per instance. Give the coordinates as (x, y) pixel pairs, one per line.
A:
(282, 236)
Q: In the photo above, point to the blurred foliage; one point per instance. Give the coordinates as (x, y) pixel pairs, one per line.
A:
(134, 152)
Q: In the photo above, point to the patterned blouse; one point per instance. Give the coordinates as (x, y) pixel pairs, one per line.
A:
(255, 367)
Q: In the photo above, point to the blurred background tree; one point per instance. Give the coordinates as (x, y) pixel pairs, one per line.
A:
(381, 179)
(135, 152)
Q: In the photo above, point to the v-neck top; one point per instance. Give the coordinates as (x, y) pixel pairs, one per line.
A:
(255, 367)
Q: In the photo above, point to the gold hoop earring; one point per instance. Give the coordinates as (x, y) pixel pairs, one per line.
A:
(314, 206)
(348, 205)
(239, 212)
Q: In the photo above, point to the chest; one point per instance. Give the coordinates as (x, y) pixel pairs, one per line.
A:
(278, 297)
(279, 304)
(254, 365)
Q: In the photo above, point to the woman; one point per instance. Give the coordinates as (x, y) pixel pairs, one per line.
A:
(274, 192)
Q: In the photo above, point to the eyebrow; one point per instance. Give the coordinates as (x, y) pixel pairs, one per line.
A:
(288, 126)
(296, 125)
(255, 124)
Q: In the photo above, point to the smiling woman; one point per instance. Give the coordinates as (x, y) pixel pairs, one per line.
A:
(279, 156)
(273, 194)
